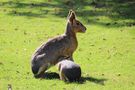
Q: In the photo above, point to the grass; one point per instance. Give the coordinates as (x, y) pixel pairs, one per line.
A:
(106, 52)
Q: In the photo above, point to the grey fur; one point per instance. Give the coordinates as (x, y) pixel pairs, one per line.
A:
(64, 45)
(69, 71)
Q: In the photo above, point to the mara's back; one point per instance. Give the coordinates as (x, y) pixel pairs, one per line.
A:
(56, 47)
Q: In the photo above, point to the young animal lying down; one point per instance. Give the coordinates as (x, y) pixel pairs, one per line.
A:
(69, 71)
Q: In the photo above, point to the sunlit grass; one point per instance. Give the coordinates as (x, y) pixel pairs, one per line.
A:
(105, 52)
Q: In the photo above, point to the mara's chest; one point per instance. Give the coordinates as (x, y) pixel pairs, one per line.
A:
(73, 44)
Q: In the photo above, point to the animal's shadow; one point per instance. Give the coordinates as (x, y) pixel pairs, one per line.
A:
(100, 81)
(50, 75)
(54, 75)
(82, 80)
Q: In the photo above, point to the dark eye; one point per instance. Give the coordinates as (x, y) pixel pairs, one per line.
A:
(78, 23)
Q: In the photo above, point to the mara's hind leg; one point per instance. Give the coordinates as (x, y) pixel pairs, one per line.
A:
(41, 70)
(39, 65)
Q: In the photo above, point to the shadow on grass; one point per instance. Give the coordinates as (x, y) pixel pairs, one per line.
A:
(93, 79)
(54, 75)
(90, 79)
(90, 10)
(50, 75)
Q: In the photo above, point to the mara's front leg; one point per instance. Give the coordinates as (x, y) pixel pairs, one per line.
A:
(71, 58)
(68, 57)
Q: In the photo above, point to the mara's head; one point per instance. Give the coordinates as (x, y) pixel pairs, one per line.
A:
(75, 24)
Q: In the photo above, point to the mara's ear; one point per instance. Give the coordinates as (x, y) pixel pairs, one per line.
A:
(70, 11)
(72, 16)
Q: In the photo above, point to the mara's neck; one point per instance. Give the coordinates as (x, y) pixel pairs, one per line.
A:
(72, 36)
(69, 32)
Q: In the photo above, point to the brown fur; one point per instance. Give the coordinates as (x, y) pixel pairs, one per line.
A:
(62, 46)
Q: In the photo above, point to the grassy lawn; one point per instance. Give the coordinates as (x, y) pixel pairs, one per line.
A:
(106, 52)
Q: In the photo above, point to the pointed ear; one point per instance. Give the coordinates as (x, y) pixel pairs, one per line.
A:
(70, 11)
(72, 16)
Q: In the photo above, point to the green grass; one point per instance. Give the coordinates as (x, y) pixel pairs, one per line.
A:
(106, 52)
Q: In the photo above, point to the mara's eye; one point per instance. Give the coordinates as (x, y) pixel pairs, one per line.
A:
(77, 23)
